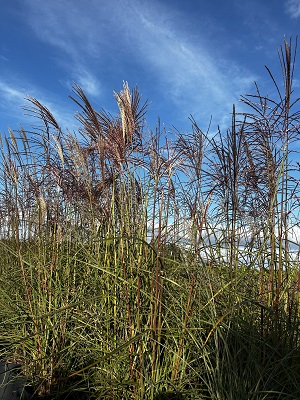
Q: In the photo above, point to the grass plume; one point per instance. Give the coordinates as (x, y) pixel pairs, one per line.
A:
(153, 265)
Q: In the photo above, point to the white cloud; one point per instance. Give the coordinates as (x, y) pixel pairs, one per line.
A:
(10, 94)
(71, 29)
(13, 100)
(193, 75)
(187, 72)
(293, 8)
(3, 58)
(87, 81)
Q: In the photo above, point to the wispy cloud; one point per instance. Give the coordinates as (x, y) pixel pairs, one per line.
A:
(13, 101)
(87, 81)
(12, 98)
(10, 94)
(192, 74)
(293, 8)
(3, 58)
(65, 26)
(186, 71)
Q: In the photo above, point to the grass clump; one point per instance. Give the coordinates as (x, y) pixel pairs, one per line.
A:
(136, 267)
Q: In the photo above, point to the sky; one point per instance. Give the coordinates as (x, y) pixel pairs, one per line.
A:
(187, 57)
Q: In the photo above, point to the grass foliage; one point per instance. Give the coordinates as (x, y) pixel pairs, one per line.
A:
(140, 265)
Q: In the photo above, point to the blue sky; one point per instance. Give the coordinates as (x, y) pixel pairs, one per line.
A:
(186, 56)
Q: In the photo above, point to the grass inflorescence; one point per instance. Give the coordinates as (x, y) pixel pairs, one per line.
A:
(140, 265)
